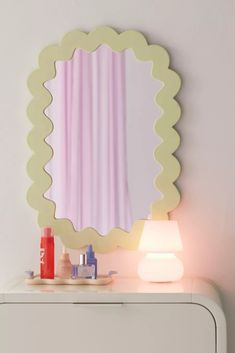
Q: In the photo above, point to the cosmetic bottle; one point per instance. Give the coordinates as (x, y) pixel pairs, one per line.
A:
(47, 254)
(85, 270)
(64, 265)
(91, 260)
(74, 271)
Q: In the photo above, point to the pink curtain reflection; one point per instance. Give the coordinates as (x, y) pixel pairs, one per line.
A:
(89, 166)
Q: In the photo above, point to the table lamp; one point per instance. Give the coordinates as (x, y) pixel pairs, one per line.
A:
(160, 240)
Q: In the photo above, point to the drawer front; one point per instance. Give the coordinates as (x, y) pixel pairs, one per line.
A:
(106, 328)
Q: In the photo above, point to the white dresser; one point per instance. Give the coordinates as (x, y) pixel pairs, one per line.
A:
(127, 316)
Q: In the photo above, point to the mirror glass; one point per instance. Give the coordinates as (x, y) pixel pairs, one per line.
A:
(103, 112)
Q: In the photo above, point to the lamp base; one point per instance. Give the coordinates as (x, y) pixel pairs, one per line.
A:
(160, 267)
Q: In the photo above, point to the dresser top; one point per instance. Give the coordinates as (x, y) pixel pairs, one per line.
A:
(123, 290)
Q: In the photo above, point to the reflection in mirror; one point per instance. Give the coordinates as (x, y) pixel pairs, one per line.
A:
(103, 113)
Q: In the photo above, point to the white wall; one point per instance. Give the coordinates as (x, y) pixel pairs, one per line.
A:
(199, 34)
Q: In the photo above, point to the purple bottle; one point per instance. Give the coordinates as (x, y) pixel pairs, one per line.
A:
(91, 260)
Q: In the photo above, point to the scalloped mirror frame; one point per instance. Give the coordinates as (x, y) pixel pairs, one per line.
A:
(42, 127)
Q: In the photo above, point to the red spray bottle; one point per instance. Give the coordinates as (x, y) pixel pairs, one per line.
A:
(47, 254)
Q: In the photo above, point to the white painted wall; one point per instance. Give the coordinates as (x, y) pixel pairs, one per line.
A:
(199, 34)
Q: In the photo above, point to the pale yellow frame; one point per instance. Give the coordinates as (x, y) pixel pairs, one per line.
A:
(42, 127)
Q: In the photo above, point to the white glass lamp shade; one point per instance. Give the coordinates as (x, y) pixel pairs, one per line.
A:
(160, 236)
(160, 267)
(160, 239)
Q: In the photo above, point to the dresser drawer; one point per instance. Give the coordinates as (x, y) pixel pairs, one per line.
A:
(106, 328)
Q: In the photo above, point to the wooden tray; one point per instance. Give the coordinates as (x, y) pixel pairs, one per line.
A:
(100, 281)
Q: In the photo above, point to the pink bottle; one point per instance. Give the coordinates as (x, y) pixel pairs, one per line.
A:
(64, 265)
(47, 254)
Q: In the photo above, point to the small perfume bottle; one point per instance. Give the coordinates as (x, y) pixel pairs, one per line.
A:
(91, 260)
(64, 265)
(74, 271)
(85, 270)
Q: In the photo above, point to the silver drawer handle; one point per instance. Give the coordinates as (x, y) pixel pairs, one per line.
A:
(99, 305)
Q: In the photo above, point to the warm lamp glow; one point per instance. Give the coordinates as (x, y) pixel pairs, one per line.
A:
(160, 236)
(160, 239)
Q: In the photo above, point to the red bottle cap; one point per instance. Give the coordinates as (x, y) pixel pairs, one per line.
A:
(47, 232)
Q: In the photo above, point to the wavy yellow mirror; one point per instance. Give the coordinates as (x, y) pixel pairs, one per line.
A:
(103, 112)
